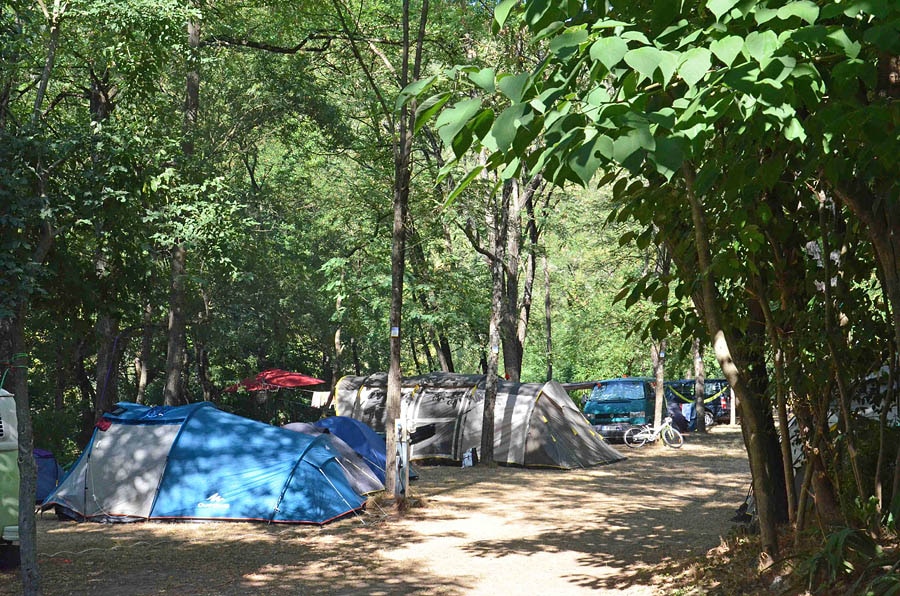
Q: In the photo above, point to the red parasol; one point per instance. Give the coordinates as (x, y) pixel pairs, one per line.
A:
(269, 380)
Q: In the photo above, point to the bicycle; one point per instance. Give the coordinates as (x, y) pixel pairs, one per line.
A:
(638, 436)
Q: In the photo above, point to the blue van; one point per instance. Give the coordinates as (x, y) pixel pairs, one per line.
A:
(614, 405)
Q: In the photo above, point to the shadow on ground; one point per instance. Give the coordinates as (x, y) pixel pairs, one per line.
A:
(612, 528)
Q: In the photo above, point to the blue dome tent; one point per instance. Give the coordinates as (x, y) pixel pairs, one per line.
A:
(196, 462)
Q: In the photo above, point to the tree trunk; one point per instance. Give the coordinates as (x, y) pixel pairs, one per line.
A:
(107, 330)
(13, 353)
(504, 224)
(787, 460)
(402, 175)
(699, 386)
(62, 369)
(732, 369)
(658, 357)
(486, 457)
(173, 390)
(142, 362)
(176, 350)
(444, 353)
(548, 318)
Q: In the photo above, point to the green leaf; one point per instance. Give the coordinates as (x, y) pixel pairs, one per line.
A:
(803, 9)
(589, 156)
(727, 48)
(463, 184)
(451, 121)
(635, 140)
(501, 13)
(598, 97)
(507, 125)
(511, 170)
(795, 131)
(481, 124)
(668, 64)
(668, 156)
(484, 78)
(720, 7)
(694, 65)
(428, 108)
(851, 48)
(514, 86)
(413, 90)
(609, 51)
(761, 46)
(644, 60)
(570, 39)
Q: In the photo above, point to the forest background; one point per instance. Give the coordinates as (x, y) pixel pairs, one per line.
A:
(192, 192)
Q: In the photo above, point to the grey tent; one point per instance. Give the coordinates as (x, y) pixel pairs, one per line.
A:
(535, 424)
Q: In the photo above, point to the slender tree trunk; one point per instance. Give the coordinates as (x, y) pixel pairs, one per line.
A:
(787, 459)
(497, 215)
(832, 336)
(699, 386)
(107, 331)
(511, 233)
(209, 389)
(337, 360)
(658, 357)
(402, 175)
(750, 418)
(142, 362)
(548, 318)
(173, 390)
(486, 457)
(13, 351)
(445, 353)
(658, 351)
(62, 368)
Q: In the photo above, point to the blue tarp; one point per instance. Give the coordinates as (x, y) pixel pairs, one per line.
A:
(48, 473)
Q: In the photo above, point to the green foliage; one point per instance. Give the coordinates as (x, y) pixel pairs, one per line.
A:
(851, 558)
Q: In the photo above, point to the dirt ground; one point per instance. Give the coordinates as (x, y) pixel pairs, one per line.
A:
(628, 528)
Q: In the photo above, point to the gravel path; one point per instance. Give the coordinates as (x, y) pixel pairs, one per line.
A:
(616, 529)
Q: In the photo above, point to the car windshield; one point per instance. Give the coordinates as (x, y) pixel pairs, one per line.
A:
(618, 391)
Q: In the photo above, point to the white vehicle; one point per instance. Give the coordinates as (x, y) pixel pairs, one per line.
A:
(9, 481)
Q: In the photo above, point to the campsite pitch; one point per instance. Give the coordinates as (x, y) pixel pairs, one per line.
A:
(627, 528)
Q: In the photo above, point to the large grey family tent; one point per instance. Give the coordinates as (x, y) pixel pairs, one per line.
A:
(535, 424)
(196, 462)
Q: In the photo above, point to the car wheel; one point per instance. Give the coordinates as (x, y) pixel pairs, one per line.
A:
(708, 418)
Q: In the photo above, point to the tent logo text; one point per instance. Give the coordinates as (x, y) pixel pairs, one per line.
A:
(214, 501)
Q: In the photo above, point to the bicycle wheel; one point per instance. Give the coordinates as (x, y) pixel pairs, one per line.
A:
(672, 438)
(635, 437)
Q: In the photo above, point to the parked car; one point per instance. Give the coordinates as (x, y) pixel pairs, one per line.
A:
(615, 405)
(680, 394)
(9, 482)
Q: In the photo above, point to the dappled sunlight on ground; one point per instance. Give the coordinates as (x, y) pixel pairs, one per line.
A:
(609, 529)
